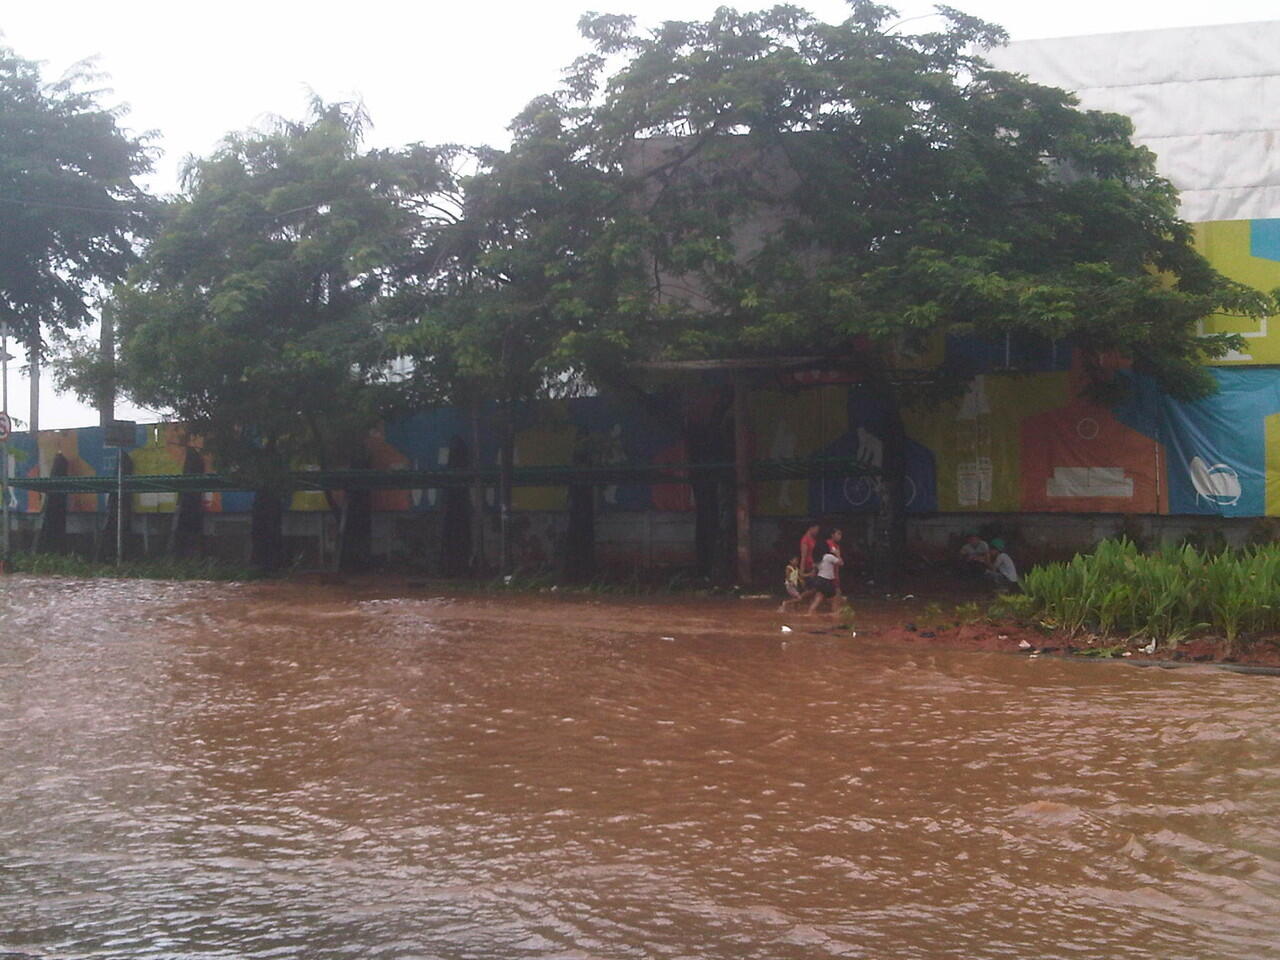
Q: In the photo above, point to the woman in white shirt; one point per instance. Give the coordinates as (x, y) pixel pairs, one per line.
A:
(826, 582)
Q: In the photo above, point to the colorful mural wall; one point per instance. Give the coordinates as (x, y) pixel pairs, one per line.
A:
(1020, 439)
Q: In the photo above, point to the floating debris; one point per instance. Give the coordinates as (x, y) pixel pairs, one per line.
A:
(1022, 644)
(785, 628)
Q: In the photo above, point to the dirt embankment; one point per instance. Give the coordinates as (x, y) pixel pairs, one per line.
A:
(941, 619)
(911, 625)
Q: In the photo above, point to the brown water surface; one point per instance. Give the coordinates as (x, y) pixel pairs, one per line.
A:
(254, 771)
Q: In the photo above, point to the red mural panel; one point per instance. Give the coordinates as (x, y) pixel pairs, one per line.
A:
(1081, 459)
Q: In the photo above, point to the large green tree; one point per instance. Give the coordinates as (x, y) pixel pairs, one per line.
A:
(851, 191)
(525, 265)
(256, 317)
(71, 213)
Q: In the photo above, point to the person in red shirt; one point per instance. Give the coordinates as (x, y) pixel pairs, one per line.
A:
(808, 544)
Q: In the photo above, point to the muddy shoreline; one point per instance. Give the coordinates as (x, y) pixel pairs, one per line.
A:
(932, 619)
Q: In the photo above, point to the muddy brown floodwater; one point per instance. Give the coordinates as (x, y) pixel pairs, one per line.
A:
(283, 770)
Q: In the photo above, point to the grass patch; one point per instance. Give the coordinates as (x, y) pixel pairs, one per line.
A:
(70, 565)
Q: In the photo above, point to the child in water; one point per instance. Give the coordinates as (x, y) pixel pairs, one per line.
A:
(827, 583)
(791, 583)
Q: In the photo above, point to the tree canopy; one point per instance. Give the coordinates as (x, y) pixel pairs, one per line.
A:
(765, 185)
(255, 316)
(71, 212)
(849, 189)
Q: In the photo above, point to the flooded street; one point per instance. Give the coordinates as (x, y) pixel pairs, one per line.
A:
(284, 770)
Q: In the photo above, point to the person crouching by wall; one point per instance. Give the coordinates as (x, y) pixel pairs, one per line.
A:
(1001, 571)
(971, 561)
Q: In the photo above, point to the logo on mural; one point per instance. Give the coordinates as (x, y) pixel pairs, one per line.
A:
(1219, 484)
(859, 490)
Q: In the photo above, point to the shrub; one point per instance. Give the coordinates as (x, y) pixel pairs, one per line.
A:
(1120, 591)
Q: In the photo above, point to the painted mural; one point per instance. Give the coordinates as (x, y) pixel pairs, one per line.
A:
(1020, 438)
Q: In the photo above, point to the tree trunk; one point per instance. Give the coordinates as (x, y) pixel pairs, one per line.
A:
(476, 560)
(706, 524)
(187, 528)
(51, 535)
(455, 525)
(707, 442)
(742, 483)
(578, 563)
(505, 476)
(722, 571)
(266, 531)
(891, 519)
(355, 539)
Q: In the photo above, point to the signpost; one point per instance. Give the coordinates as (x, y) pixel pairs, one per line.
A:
(120, 434)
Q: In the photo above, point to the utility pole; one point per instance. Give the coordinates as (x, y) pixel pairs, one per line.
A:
(33, 371)
(4, 444)
(107, 355)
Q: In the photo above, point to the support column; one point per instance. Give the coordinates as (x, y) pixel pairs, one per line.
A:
(742, 479)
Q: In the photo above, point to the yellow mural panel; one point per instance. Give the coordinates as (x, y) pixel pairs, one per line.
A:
(1229, 245)
(790, 424)
(160, 455)
(543, 446)
(976, 441)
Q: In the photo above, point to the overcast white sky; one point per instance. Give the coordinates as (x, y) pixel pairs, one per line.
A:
(429, 72)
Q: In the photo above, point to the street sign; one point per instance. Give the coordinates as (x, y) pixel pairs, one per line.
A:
(120, 433)
(6, 426)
